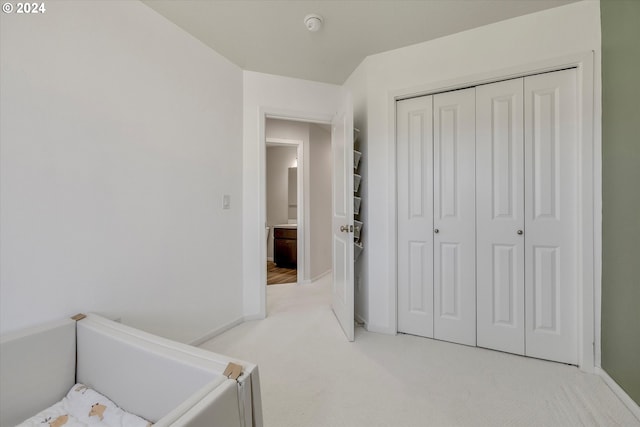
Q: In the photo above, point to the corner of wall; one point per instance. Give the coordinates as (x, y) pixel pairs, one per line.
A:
(620, 199)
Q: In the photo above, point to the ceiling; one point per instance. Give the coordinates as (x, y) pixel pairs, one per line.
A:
(269, 36)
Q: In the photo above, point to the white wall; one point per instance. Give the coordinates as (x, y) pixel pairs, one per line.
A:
(120, 134)
(570, 29)
(320, 168)
(279, 160)
(288, 129)
(284, 97)
(116, 151)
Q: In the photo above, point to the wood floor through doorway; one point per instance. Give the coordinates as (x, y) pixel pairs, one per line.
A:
(278, 275)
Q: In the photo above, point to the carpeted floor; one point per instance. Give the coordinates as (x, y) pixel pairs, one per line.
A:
(311, 376)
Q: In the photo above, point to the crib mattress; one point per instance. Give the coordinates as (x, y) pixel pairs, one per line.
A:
(83, 407)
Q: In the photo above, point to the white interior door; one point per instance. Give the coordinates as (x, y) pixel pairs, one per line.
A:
(414, 138)
(454, 216)
(551, 226)
(342, 217)
(500, 215)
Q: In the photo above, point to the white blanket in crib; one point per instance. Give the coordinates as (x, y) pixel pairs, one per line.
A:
(85, 407)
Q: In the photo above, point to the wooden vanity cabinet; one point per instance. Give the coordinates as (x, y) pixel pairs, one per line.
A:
(285, 247)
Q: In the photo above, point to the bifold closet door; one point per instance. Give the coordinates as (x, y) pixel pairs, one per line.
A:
(488, 184)
(454, 261)
(500, 215)
(415, 215)
(551, 239)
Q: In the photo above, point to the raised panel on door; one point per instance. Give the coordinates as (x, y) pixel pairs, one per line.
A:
(342, 290)
(500, 215)
(454, 216)
(415, 215)
(551, 188)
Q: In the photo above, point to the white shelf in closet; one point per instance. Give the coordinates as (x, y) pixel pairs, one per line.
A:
(357, 199)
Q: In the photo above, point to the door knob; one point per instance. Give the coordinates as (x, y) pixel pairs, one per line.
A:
(344, 228)
(436, 231)
(520, 232)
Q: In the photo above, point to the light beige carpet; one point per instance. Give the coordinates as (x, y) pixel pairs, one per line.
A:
(311, 376)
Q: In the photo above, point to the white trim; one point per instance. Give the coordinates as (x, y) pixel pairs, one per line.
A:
(597, 202)
(217, 331)
(590, 201)
(295, 116)
(283, 114)
(252, 317)
(360, 320)
(372, 327)
(619, 392)
(314, 279)
(301, 213)
(392, 327)
(320, 276)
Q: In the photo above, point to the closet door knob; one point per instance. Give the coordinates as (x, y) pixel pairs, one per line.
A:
(520, 232)
(436, 231)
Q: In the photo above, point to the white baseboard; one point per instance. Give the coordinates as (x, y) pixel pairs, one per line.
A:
(360, 320)
(321, 275)
(318, 277)
(216, 332)
(618, 391)
(381, 330)
(270, 258)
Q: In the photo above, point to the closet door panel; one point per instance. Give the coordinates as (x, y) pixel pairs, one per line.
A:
(415, 215)
(454, 217)
(500, 215)
(551, 170)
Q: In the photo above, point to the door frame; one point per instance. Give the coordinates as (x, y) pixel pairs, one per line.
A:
(589, 188)
(300, 208)
(295, 116)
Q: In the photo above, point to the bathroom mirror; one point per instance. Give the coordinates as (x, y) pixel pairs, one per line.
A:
(293, 194)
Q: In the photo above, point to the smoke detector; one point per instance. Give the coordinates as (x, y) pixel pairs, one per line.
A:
(313, 22)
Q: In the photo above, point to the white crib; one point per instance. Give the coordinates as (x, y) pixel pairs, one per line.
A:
(163, 381)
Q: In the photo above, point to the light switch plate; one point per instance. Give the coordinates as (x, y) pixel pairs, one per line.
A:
(226, 201)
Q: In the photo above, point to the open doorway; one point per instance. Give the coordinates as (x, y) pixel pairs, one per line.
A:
(283, 210)
(298, 201)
